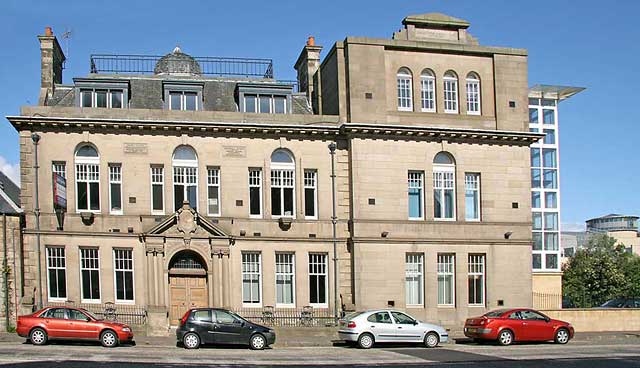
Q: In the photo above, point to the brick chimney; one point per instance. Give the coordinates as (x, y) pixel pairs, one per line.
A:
(52, 63)
(307, 65)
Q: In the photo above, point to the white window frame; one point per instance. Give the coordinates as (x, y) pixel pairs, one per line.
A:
(89, 167)
(258, 261)
(443, 175)
(187, 169)
(255, 181)
(94, 98)
(183, 100)
(311, 182)
(83, 268)
(319, 268)
(414, 271)
(115, 177)
(281, 259)
(428, 91)
(213, 180)
(474, 104)
(272, 103)
(451, 105)
(157, 178)
(116, 268)
(404, 88)
(472, 183)
(55, 259)
(477, 267)
(447, 268)
(60, 168)
(415, 180)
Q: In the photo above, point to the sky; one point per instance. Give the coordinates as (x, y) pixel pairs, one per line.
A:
(590, 44)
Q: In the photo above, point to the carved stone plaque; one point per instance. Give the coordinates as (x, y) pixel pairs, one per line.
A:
(234, 151)
(136, 148)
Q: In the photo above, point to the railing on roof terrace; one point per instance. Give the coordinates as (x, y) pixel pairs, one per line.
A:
(217, 66)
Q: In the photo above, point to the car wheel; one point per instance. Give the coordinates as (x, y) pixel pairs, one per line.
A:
(505, 338)
(562, 336)
(191, 341)
(109, 339)
(431, 340)
(365, 341)
(258, 342)
(38, 336)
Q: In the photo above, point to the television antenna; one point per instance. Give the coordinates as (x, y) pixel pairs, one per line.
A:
(66, 36)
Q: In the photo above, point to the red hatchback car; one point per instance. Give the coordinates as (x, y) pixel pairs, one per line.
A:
(521, 324)
(71, 324)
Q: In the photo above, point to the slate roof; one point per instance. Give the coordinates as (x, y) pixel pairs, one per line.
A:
(10, 196)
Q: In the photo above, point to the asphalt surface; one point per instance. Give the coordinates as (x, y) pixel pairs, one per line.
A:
(611, 353)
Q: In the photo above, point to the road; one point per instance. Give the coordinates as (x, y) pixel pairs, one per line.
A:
(619, 353)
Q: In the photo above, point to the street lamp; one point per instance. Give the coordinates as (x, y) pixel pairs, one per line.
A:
(334, 221)
(35, 137)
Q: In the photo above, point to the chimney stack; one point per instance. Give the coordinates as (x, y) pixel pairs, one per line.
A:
(52, 62)
(307, 65)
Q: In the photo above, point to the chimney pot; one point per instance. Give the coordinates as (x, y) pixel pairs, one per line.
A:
(311, 41)
(48, 31)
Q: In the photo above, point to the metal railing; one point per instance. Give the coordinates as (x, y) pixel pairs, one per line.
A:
(217, 66)
(544, 301)
(130, 314)
(288, 317)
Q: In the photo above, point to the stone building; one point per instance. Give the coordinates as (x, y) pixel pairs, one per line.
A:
(10, 246)
(191, 184)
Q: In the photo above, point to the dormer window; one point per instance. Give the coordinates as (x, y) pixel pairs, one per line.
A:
(184, 97)
(110, 94)
(264, 99)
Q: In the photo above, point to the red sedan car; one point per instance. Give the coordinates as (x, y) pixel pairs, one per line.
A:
(521, 324)
(71, 324)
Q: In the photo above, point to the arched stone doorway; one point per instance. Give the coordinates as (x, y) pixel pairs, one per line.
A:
(187, 284)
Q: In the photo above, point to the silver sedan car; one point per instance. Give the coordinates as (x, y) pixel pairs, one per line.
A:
(369, 327)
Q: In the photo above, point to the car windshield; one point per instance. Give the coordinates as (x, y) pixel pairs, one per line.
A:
(495, 313)
(93, 316)
(238, 316)
(351, 316)
(615, 303)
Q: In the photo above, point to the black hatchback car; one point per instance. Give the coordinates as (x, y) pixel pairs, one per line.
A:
(221, 326)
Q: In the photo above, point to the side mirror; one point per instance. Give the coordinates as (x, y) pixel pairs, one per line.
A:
(547, 319)
(415, 322)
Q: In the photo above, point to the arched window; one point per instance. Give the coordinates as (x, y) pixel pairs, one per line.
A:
(283, 179)
(444, 184)
(87, 161)
(473, 94)
(405, 95)
(428, 90)
(185, 177)
(450, 92)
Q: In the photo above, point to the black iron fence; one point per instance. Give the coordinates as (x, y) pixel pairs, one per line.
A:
(217, 66)
(546, 301)
(288, 317)
(129, 314)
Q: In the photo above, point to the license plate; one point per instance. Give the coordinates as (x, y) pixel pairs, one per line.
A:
(472, 330)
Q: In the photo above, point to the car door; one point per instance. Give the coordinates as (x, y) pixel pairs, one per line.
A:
(202, 322)
(229, 329)
(382, 327)
(55, 323)
(407, 328)
(81, 326)
(535, 326)
(515, 323)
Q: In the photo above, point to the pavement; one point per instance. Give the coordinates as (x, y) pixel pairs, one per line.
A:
(586, 350)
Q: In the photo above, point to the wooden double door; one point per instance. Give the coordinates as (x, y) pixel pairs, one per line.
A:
(186, 292)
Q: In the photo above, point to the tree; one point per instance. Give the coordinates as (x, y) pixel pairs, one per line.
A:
(597, 273)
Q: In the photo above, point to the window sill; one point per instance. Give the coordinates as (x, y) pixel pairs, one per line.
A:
(473, 113)
(285, 305)
(311, 218)
(431, 111)
(57, 300)
(255, 216)
(125, 302)
(252, 305)
(157, 213)
(445, 219)
(319, 306)
(415, 306)
(416, 218)
(90, 301)
(477, 306)
(116, 213)
(447, 306)
(450, 111)
(405, 109)
(95, 212)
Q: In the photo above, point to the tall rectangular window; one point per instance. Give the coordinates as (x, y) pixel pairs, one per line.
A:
(88, 187)
(414, 279)
(285, 279)
(476, 279)
(444, 194)
(318, 280)
(450, 94)
(255, 192)
(60, 168)
(90, 275)
(157, 189)
(213, 191)
(115, 189)
(473, 95)
(428, 92)
(185, 186)
(405, 95)
(180, 100)
(57, 272)
(251, 279)
(310, 194)
(123, 266)
(472, 196)
(282, 192)
(446, 279)
(415, 183)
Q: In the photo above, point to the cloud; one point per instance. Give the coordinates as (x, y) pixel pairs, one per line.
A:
(10, 170)
(573, 227)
